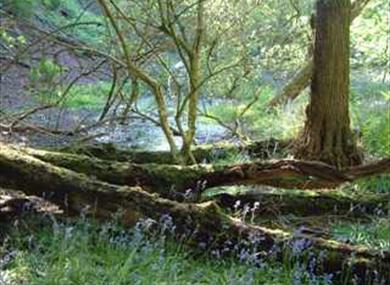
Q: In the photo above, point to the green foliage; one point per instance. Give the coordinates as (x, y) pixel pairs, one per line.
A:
(21, 8)
(368, 37)
(370, 103)
(52, 4)
(58, 13)
(378, 184)
(12, 41)
(374, 234)
(83, 253)
(376, 135)
(72, 11)
(261, 122)
(44, 81)
(46, 71)
(48, 88)
(91, 96)
(283, 122)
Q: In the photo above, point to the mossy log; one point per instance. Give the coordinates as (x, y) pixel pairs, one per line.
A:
(307, 203)
(174, 180)
(205, 223)
(201, 153)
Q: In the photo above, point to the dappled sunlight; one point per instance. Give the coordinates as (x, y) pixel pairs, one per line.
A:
(194, 142)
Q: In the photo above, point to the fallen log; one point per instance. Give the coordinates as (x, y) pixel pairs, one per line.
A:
(205, 223)
(14, 204)
(174, 180)
(202, 153)
(165, 179)
(307, 203)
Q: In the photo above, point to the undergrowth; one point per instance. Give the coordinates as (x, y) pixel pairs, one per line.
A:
(81, 252)
(92, 96)
(373, 234)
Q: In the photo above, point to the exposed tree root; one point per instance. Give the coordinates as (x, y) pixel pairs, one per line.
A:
(206, 223)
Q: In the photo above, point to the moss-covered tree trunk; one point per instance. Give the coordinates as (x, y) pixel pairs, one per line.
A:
(327, 134)
(178, 181)
(307, 203)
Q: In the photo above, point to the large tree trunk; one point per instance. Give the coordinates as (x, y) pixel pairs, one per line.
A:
(327, 135)
(302, 78)
(76, 193)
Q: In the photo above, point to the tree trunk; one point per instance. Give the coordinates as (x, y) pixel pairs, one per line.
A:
(302, 79)
(76, 193)
(135, 72)
(327, 135)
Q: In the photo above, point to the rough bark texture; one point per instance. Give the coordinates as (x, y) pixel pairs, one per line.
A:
(195, 78)
(327, 135)
(173, 180)
(302, 79)
(76, 193)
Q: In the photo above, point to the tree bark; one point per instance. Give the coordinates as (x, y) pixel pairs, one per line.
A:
(175, 181)
(194, 74)
(137, 73)
(308, 203)
(327, 135)
(301, 80)
(76, 193)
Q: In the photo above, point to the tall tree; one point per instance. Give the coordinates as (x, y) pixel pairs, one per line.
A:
(302, 78)
(327, 135)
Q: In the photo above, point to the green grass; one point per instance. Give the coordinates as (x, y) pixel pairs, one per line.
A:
(91, 96)
(369, 110)
(92, 34)
(259, 121)
(374, 234)
(83, 253)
